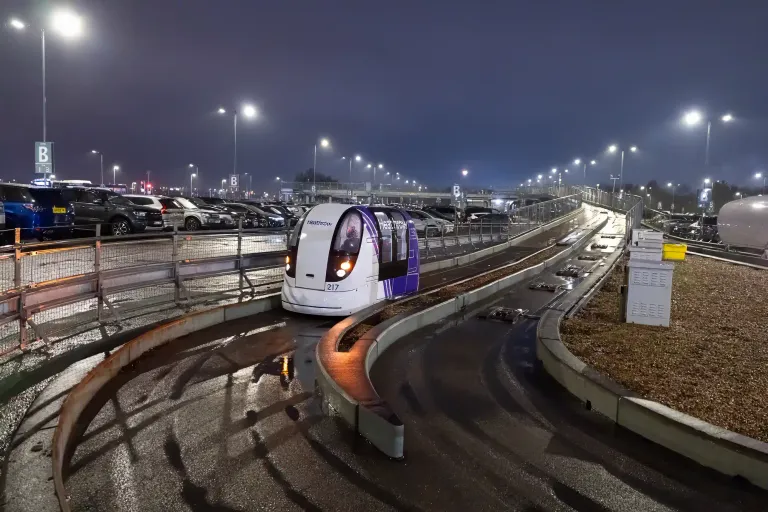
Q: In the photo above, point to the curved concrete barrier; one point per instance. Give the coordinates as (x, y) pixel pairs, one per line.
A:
(709, 445)
(83, 392)
(343, 377)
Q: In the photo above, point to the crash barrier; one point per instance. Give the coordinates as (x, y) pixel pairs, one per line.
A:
(81, 395)
(55, 287)
(717, 448)
(343, 377)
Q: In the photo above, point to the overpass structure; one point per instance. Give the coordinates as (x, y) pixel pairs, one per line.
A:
(305, 192)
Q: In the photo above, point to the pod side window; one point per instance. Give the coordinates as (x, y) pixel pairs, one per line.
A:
(393, 243)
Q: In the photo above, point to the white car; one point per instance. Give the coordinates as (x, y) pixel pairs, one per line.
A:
(196, 218)
(429, 225)
(173, 213)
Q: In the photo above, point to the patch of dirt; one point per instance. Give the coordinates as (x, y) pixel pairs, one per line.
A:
(441, 295)
(711, 362)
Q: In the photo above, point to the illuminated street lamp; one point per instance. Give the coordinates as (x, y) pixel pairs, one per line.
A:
(694, 118)
(67, 24)
(759, 175)
(464, 172)
(673, 187)
(277, 179)
(191, 177)
(613, 148)
(115, 168)
(101, 159)
(249, 111)
(324, 144)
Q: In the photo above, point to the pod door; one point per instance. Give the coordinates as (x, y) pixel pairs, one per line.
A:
(394, 251)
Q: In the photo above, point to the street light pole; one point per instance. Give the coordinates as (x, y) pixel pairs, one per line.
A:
(115, 168)
(706, 150)
(190, 184)
(45, 117)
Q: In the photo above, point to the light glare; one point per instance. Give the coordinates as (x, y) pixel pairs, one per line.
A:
(324, 143)
(17, 24)
(727, 118)
(222, 110)
(577, 161)
(593, 162)
(612, 148)
(249, 111)
(464, 172)
(67, 23)
(633, 149)
(692, 118)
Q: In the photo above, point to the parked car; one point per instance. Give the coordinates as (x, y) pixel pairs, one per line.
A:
(489, 222)
(428, 225)
(444, 212)
(171, 211)
(56, 215)
(196, 218)
(288, 218)
(35, 219)
(226, 214)
(251, 219)
(213, 200)
(100, 206)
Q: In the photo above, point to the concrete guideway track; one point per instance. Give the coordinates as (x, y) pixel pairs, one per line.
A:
(225, 419)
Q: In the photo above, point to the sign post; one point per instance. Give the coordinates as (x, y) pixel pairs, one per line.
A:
(43, 157)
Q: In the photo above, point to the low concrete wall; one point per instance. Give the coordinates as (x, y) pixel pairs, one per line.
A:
(344, 376)
(84, 392)
(707, 444)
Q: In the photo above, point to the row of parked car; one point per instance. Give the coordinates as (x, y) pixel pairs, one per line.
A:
(58, 212)
(692, 226)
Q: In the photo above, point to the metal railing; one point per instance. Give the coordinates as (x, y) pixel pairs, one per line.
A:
(54, 287)
(630, 205)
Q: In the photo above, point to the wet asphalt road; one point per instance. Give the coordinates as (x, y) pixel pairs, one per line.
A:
(226, 420)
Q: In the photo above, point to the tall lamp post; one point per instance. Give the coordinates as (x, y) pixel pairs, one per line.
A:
(613, 148)
(249, 112)
(694, 118)
(278, 187)
(196, 173)
(101, 159)
(115, 168)
(674, 187)
(65, 23)
(324, 143)
(191, 177)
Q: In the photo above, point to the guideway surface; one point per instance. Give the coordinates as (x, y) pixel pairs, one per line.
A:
(226, 420)
(214, 419)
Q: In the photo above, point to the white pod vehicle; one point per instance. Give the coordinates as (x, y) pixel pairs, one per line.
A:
(344, 258)
(744, 223)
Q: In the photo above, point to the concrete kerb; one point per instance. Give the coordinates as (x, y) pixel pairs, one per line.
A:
(355, 399)
(717, 448)
(84, 391)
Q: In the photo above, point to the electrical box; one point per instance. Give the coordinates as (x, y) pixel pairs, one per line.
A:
(642, 237)
(649, 292)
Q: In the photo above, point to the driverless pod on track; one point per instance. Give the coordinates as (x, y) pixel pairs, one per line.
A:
(343, 258)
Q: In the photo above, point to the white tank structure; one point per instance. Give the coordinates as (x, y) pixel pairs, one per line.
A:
(744, 223)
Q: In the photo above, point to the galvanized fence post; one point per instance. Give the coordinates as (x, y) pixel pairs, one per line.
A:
(17, 285)
(176, 265)
(481, 231)
(442, 236)
(97, 270)
(240, 254)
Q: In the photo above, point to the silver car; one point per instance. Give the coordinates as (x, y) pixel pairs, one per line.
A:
(429, 225)
(173, 213)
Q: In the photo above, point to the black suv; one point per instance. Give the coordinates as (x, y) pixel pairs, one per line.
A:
(99, 206)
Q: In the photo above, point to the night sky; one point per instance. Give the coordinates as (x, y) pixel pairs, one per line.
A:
(507, 89)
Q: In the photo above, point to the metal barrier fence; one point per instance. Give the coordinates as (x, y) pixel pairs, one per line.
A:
(438, 241)
(629, 204)
(54, 287)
